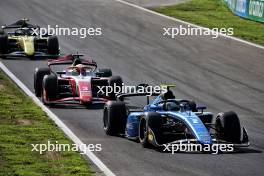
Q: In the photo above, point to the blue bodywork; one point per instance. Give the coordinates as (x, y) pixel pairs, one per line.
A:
(191, 120)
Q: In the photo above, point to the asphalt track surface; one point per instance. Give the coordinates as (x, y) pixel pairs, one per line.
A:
(221, 73)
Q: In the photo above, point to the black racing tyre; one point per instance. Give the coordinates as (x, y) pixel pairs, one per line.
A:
(50, 86)
(53, 45)
(228, 127)
(3, 44)
(143, 132)
(105, 72)
(114, 81)
(114, 118)
(38, 79)
(152, 121)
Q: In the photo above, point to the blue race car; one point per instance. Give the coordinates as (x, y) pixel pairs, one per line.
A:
(167, 120)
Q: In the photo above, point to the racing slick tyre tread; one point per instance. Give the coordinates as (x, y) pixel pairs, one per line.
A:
(38, 79)
(117, 81)
(143, 132)
(106, 72)
(115, 118)
(53, 45)
(228, 127)
(3, 44)
(50, 85)
(152, 121)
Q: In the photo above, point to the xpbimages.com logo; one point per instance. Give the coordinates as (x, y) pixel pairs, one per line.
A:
(189, 147)
(66, 31)
(172, 32)
(117, 89)
(84, 148)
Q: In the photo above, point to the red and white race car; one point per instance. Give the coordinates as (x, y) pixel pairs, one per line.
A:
(79, 82)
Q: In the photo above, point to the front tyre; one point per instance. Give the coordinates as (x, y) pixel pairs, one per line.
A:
(50, 88)
(38, 79)
(143, 132)
(228, 127)
(116, 83)
(150, 129)
(114, 118)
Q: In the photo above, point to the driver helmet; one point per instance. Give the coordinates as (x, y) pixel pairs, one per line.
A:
(19, 32)
(83, 69)
(74, 71)
(26, 31)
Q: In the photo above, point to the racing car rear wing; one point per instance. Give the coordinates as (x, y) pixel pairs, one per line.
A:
(70, 59)
(20, 24)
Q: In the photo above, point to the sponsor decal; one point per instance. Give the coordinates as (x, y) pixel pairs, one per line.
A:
(251, 9)
(241, 7)
(256, 8)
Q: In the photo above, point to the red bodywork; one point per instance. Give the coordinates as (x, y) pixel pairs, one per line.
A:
(80, 88)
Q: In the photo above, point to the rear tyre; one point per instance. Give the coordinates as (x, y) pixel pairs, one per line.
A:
(53, 45)
(152, 121)
(50, 87)
(115, 81)
(3, 44)
(114, 118)
(105, 72)
(38, 79)
(228, 127)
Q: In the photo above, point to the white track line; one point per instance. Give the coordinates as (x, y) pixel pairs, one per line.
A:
(187, 23)
(60, 124)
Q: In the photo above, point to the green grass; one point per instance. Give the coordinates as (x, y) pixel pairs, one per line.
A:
(22, 123)
(215, 14)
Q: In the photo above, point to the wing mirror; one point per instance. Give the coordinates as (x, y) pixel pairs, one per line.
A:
(201, 107)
